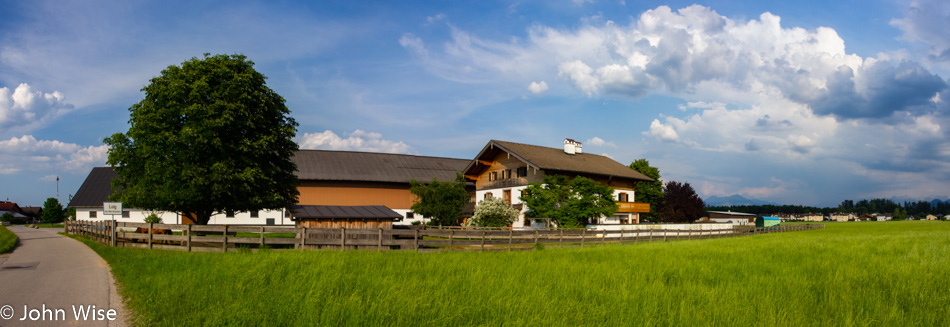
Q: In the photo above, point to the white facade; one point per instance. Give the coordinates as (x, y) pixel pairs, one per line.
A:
(617, 218)
(264, 217)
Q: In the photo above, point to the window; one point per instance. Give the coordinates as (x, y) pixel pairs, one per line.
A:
(229, 213)
(410, 215)
(493, 176)
(507, 173)
(253, 213)
(125, 214)
(622, 197)
(92, 214)
(522, 172)
(506, 194)
(488, 196)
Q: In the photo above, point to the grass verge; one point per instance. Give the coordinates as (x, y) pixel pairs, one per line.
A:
(873, 273)
(7, 240)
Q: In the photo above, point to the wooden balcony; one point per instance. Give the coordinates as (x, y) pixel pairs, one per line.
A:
(627, 207)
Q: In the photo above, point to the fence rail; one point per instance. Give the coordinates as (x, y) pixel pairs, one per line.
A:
(225, 238)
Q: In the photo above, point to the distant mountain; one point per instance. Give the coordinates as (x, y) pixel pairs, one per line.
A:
(734, 200)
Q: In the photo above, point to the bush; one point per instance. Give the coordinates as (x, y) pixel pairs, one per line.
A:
(153, 219)
(493, 212)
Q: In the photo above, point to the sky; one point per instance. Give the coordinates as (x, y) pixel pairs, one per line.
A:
(805, 102)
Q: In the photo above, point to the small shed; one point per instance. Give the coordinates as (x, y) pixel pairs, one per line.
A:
(767, 221)
(351, 217)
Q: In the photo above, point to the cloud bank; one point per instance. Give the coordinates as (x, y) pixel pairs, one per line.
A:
(358, 140)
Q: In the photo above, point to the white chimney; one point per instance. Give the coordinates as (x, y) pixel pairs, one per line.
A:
(578, 148)
(570, 146)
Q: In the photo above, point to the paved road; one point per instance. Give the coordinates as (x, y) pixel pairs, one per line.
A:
(60, 273)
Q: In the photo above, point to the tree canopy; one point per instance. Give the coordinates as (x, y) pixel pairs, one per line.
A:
(208, 137)
(569, 203)
(441, 201)
(53, 212)
(648, 192)
(680, 204)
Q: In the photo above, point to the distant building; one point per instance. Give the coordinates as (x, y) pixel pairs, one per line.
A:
(735, 218)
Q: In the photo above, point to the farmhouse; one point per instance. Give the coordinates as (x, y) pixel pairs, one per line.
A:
(327, 178)
(504, 169)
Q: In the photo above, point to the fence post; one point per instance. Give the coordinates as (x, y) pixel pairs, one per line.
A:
(560, 240)
(666, 232)
(189, 237)
(583, 236)
(150, 235)
(417, 239)
(484, 233)
(451, 236)
(342, 238)
(224, 240)
(379, 246)
(535, 236)
(510, 233)
(603, 238)
(262, 239)
(303, 238)
(621, 236)
(113, 233)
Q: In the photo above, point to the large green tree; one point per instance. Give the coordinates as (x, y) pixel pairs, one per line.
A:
(53, 212)
(208, 137)
(648, 192)
(569, 202)
(440, 201)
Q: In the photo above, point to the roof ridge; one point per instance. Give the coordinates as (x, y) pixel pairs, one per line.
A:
(379, 153)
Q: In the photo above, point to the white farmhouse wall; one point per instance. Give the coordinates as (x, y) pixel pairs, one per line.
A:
(138, 216)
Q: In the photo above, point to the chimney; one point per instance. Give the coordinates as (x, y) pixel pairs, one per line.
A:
(578, 148)
(570, 146)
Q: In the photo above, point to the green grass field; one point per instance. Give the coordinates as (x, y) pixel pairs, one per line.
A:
(849, 274)
(7, 240)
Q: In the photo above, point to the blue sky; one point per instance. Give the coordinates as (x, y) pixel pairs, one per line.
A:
(810, 102)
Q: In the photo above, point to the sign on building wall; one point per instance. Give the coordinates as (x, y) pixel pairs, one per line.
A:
(112, 208)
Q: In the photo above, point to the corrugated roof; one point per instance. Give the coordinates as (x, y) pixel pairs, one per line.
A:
(96, 189)
(555, 159)
(375, 167)
(342, 212)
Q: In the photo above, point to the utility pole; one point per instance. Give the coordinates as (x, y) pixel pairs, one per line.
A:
(57, 189)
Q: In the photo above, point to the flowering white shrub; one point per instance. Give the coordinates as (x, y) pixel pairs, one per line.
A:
(493, 212)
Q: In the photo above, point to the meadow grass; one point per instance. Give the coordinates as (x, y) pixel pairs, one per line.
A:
(7, 240)
(849, 274)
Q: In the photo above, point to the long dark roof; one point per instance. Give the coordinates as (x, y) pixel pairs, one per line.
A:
(342, 212)
(374, 167)
(546, 158)
(96, 189)
(315, 165)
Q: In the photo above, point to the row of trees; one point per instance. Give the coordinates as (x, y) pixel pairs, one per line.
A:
(860, 208)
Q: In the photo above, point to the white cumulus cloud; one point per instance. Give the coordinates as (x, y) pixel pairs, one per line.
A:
(26, 153)
(358, 140)
(23, 109)
(538, 88)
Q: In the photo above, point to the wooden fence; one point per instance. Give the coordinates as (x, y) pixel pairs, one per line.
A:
(230, 238)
